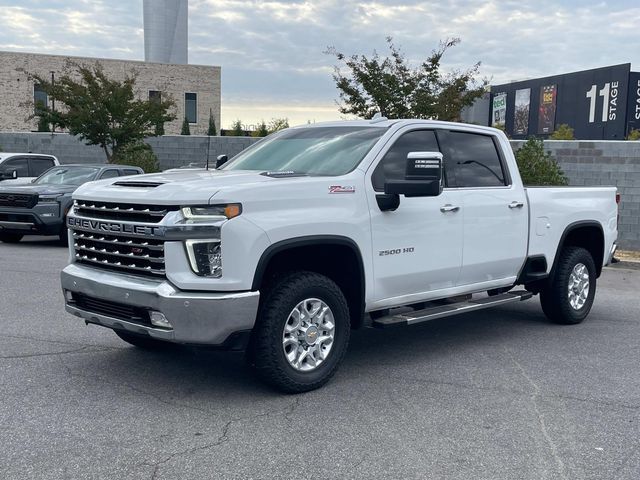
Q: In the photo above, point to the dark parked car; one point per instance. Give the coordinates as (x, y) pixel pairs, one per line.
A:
(40, 207)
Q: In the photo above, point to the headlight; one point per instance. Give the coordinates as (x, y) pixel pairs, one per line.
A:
(205, 257)
(49, 198)
(212, 212)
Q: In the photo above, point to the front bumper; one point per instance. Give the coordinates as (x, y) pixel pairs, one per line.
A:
(210, 318)
(40, 220)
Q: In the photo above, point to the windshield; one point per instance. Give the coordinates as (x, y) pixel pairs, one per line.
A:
(313, 151)
(67, 175)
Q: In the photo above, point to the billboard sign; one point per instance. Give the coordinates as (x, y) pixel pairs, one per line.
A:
(547, 109)
(521, 116)
(499, 109)
(595, 103)
(633, 110)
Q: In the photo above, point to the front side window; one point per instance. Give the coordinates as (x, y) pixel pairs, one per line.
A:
(394, 163)
(68, 176)
(191, 107)
(40, 165)
(474, 158)
(311, 151)
(20, 165)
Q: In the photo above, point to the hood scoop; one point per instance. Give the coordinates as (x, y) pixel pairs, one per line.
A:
(283, 174)
(140, 184)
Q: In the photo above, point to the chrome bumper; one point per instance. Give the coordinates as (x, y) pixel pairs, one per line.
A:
(197, 318)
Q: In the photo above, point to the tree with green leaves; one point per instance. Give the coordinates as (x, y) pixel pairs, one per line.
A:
(277, 124)
(537, 167)
(211, 131)
(100, 110)
(391, 86)
(237, 130)
(562, 132)
(261, 131)
(185, 130)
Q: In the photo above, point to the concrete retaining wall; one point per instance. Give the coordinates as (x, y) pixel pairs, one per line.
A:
(172, 150)
(604, 163)
(587, 163)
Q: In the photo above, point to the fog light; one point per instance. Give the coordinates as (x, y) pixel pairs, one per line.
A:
(159, 320)
(68, 296)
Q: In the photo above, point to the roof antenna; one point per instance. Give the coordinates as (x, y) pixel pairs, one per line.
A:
(377, 118)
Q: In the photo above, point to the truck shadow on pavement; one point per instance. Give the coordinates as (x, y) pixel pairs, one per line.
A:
(203, 375)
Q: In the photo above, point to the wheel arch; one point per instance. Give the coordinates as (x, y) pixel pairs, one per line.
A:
(586, 234)
(331, 255)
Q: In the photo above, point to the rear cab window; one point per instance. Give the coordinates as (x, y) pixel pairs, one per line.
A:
(472, 160)
(130, 171)
(39, 165)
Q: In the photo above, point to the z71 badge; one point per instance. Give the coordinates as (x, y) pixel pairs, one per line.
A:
(342, 189)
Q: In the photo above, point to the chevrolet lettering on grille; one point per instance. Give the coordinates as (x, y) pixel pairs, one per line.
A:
(110, 227)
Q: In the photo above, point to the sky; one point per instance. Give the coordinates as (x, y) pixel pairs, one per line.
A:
(271, 52)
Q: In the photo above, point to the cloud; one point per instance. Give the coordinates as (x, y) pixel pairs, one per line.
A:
(271, 52)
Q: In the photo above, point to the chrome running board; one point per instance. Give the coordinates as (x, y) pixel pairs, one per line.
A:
(441, 311)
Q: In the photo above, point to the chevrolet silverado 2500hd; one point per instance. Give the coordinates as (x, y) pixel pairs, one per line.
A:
(321, 229)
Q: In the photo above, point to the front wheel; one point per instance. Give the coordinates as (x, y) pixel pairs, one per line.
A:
(10, 237)
(568, 297)
(301, 334)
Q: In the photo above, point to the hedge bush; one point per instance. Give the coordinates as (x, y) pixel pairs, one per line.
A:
(537, 167)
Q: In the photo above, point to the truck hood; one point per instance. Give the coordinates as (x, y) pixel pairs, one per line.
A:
(172, 188)
(41, 189)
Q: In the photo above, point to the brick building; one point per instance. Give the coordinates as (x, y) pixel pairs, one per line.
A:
(194, 88)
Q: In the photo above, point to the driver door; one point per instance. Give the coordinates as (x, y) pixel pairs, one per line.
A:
(417, 249)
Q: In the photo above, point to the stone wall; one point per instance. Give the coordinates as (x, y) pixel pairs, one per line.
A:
(604, 163)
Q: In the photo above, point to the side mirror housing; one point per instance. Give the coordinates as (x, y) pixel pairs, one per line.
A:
(423, 176)
(221, 160)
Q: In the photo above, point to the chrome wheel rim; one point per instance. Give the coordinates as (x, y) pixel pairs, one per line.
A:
(578, 286)
(308, 334)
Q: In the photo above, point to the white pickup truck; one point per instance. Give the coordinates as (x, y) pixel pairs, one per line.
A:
(325, 228)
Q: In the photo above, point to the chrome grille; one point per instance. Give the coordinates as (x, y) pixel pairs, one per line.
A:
(122, 211)
(140, 256)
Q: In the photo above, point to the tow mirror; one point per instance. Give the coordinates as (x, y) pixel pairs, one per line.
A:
(221, 160)
(423, 176)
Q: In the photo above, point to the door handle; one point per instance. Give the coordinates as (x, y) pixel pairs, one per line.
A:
(449, 208)
(516, 205)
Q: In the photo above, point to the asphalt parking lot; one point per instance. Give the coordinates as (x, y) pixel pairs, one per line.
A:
(496, 395)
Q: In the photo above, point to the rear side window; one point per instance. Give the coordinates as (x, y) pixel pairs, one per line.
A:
(129, 171)
(394, 163)
(38, 166)
(474, 158)
(20, 165)
(111, 173)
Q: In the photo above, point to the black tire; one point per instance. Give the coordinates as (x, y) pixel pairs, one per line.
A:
(554, 298)
(266, 352)
(143, 341)
(10, 237)
(63, 237)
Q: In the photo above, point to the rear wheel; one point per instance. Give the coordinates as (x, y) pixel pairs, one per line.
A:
(568, 297)
(142, 341)
(301, 334)
(10, 237)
